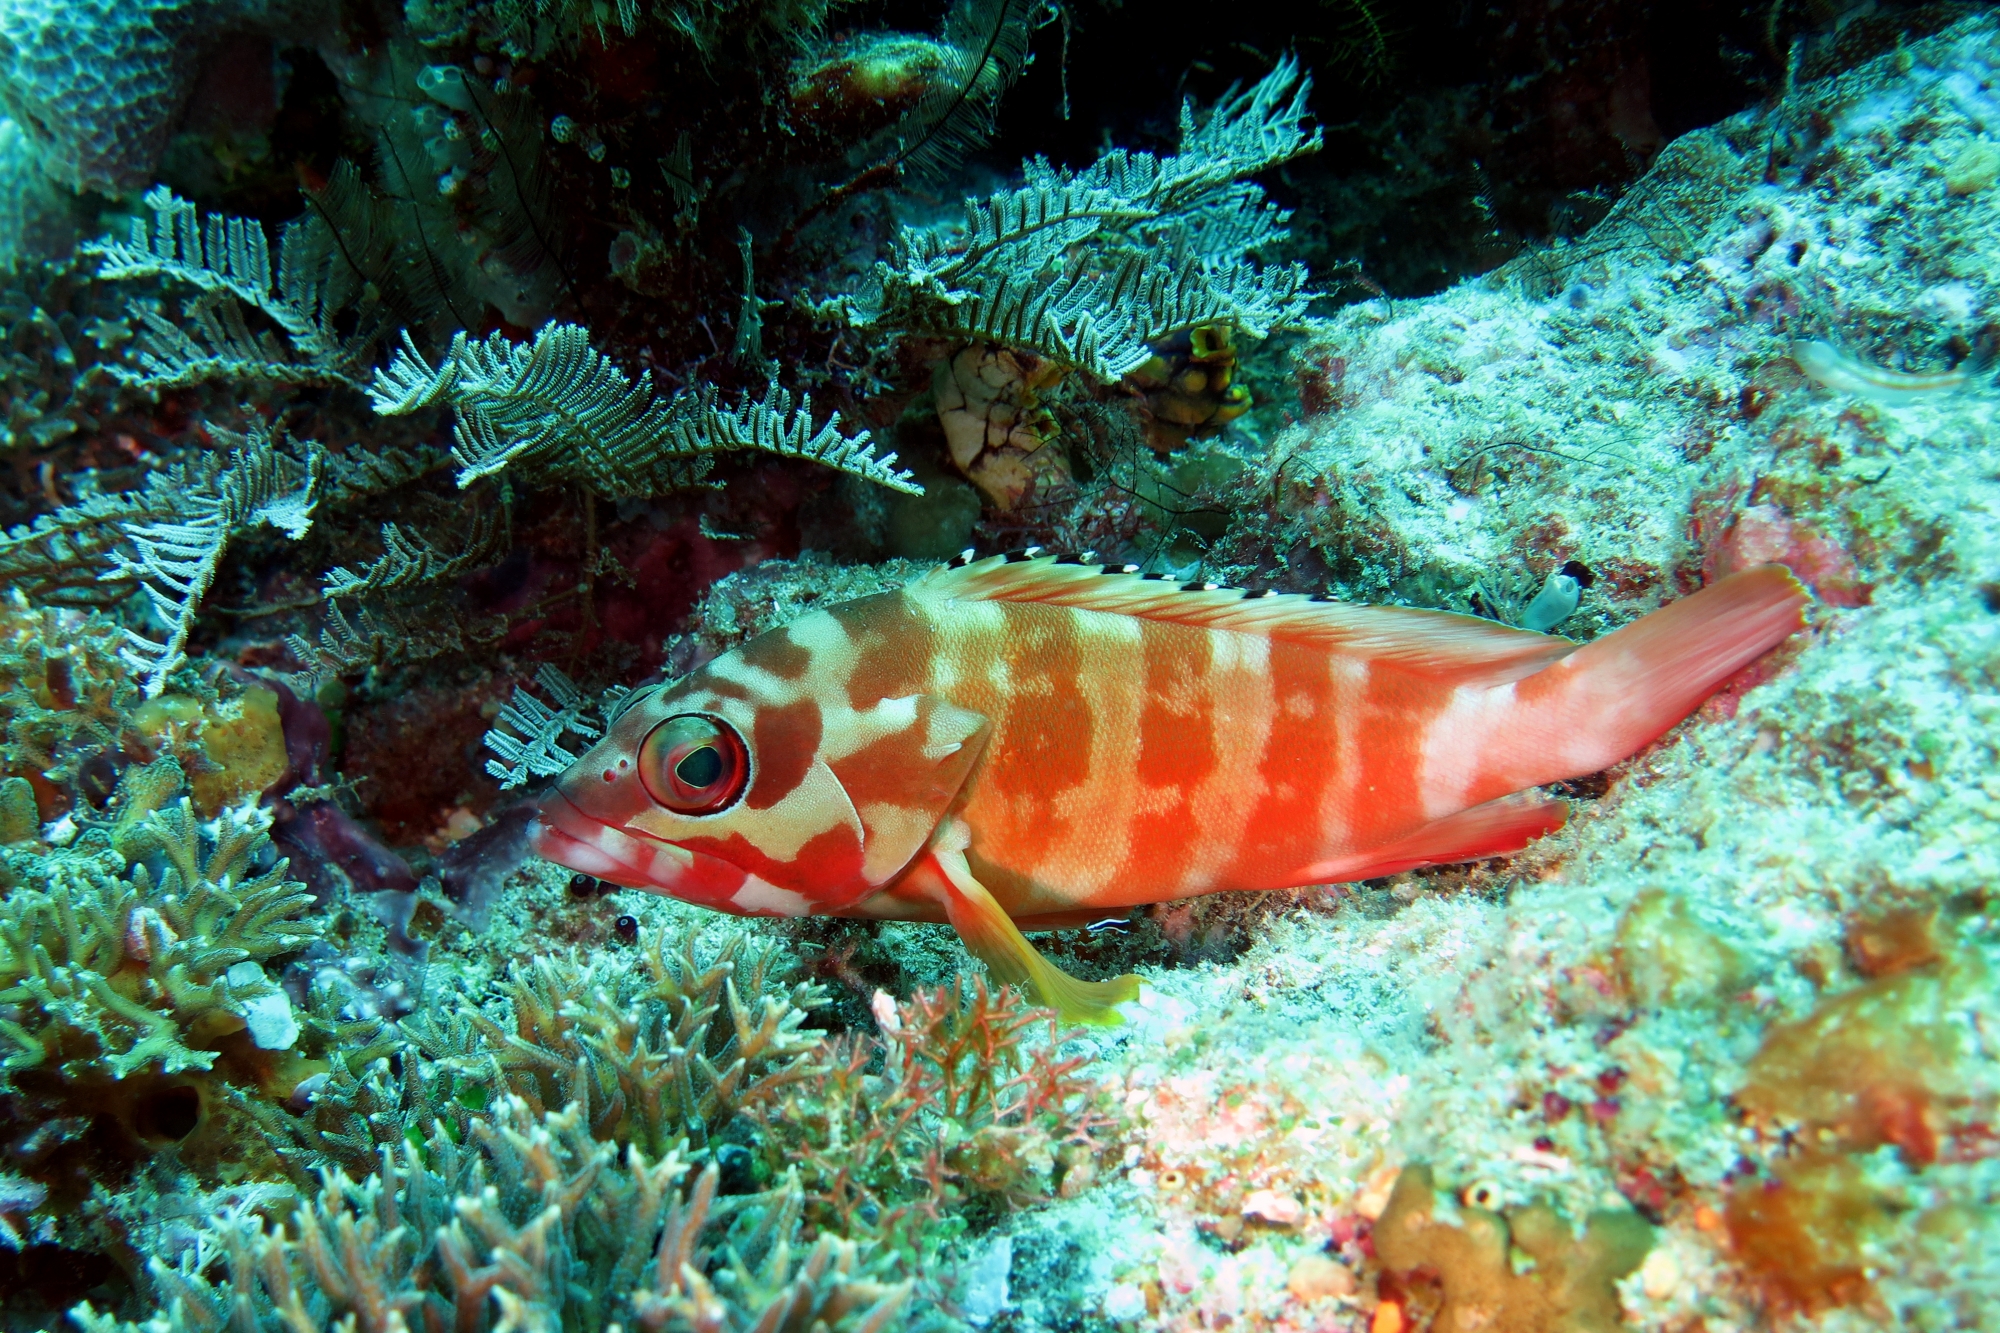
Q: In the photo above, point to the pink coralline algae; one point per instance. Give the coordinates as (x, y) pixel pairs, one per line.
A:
(1764, 533)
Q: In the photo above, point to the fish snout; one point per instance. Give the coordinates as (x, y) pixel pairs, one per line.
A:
(564, 833)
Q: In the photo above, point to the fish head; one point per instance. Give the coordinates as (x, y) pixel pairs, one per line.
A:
(759, 785)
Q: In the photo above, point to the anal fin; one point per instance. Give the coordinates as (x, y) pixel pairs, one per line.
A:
(991, 936)
(1494, 828)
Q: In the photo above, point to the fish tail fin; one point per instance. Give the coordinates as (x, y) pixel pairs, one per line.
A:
(1611, 698)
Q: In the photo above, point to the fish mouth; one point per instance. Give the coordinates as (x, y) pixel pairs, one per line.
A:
(563, 833)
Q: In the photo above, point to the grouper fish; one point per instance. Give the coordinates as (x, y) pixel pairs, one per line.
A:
(1020, 741)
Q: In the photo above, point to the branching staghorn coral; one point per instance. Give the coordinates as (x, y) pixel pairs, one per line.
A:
(758, 1284)
(528, 1223)
(424, 1241)
(359, 1103)
(117, 967)
(134, 984)
(447, 1190)
(662, 1052)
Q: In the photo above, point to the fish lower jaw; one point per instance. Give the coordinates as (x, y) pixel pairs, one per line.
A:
(569, 837)
(609, 854)
(554, 845)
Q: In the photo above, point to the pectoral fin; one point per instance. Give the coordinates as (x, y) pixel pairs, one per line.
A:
(904, 779)
(991, 936)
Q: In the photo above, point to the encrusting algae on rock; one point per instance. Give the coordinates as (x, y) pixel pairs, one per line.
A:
(74, 719)
(1525, 1270)
(1881, 1068)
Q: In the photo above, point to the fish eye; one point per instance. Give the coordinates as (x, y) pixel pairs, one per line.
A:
(694, 764)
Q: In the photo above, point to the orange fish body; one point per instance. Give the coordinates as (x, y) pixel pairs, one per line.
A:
(1027, 740)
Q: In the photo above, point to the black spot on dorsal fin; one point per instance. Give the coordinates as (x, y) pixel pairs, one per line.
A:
(1025, 553)
(962, 559)
(1120, 569)
(1199, 586)
(1153, 577)
(1252, 594)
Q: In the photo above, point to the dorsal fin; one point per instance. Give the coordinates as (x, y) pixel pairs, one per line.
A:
(1433, 642)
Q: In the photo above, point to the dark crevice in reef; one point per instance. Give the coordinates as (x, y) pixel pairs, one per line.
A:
(39, 1284)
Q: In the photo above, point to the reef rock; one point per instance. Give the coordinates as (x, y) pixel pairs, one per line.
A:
(97, 84)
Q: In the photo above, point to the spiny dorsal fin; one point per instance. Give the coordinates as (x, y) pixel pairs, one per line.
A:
(1434, 642)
